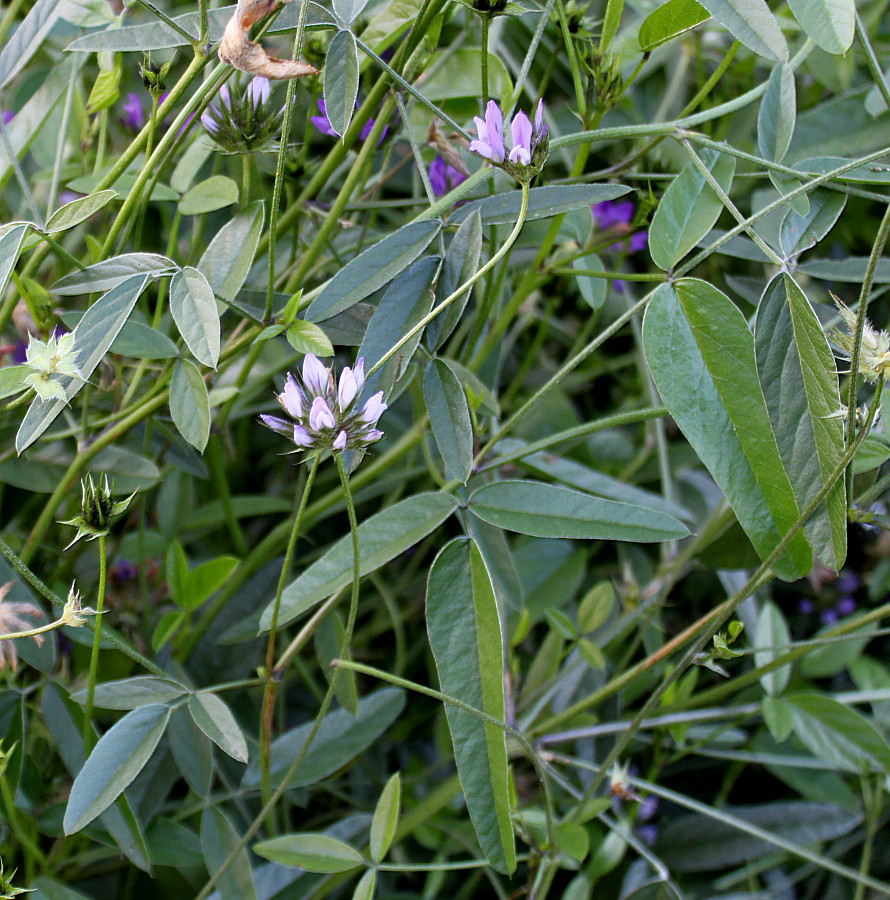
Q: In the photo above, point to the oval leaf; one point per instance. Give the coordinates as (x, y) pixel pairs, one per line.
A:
(227, 260)
(341, 81)
(131, 693)
(547, 510)
(465, 637)
(190, 404)
(752, 23)
(215, 719)
(386, 817)
(77, 211)
(830, 24)
(670, 20)
(195, 312)
(213, 193)
(778, 113)
(688, 209)
(701, 355)
(115, 761)
(310, 852)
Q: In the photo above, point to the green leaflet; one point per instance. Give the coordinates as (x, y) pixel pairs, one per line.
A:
(701, 355)
(465, 637)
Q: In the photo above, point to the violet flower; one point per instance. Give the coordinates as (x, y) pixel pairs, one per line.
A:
(529, 142)
(611, 215)
(444, 177)
(133, 117)
(323, 124)
(7, 115)
(324, 413)
(244, 122)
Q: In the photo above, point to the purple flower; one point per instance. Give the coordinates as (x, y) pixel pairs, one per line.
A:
(521, 132)
(133, 117)
(805, 606)
(323, 124)
(7, 115)
(845, 606)
(324, 412)
(617, 217)
(847, 582)
(828, 617)
(491, 134)
(529, 143)
(444, 176)
(258, 91)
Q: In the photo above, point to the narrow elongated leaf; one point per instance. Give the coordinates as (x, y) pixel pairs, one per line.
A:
(10, 247)
(543, 202)
(190, 404)
(799, 233)
(366, 886)
(839, 735)
(830, 24)
(78, 211)
(465, 637)
(372, 269)
(192, 750)
(386, 817)
(593, 289)
(194, 310)
(131, 693)
(752, 23)
(227, 260)
(461, 262)
(215, 719)
(26, 40)
(93, 336)
(772, 632)
(381, 538)
(797, 373)
(688, 209)
(341, 737)
(670, 20)
(699, 843)
(406, 301)
(446, 405)
(64, 722)
(548, 510)
(111, 272)
(701, 355)
(341, 81)
(310, 852)
(115, 761)
(219, 839)
(778, 113)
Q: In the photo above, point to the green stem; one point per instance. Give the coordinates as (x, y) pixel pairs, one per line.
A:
(486, 24)
(332, 684)
(361, 669)
(89, 735)
(272, 675)
(511, 239)
(245, 180)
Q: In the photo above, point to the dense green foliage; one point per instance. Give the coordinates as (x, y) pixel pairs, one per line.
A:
(575, 586)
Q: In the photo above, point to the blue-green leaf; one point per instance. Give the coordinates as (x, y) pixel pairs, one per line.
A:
(701, 355)
(688, 209)
(752, 23)
(112, 272)
(115, 761)
(219, 839)
(830, 24)
(797, 373)
(341, 81)
(670, 20)
(778, 113)
(381, 538)
(446, 405)
(194, 310)
(227, 260)
(548, 510)
(190, 404)
(465, 637)
(372, 269)
(310, 852)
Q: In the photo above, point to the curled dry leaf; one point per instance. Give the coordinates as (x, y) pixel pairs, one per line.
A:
(239, 51)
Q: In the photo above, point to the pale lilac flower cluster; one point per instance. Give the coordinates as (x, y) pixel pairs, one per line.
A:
(245, 122)
(324, 412)
(529, 142)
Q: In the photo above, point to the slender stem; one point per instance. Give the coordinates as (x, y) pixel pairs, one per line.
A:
(272, 675)
(511, 239)
(486, 24)
(332, 684)
(170, 23)
(88, 733)
(245, 180)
